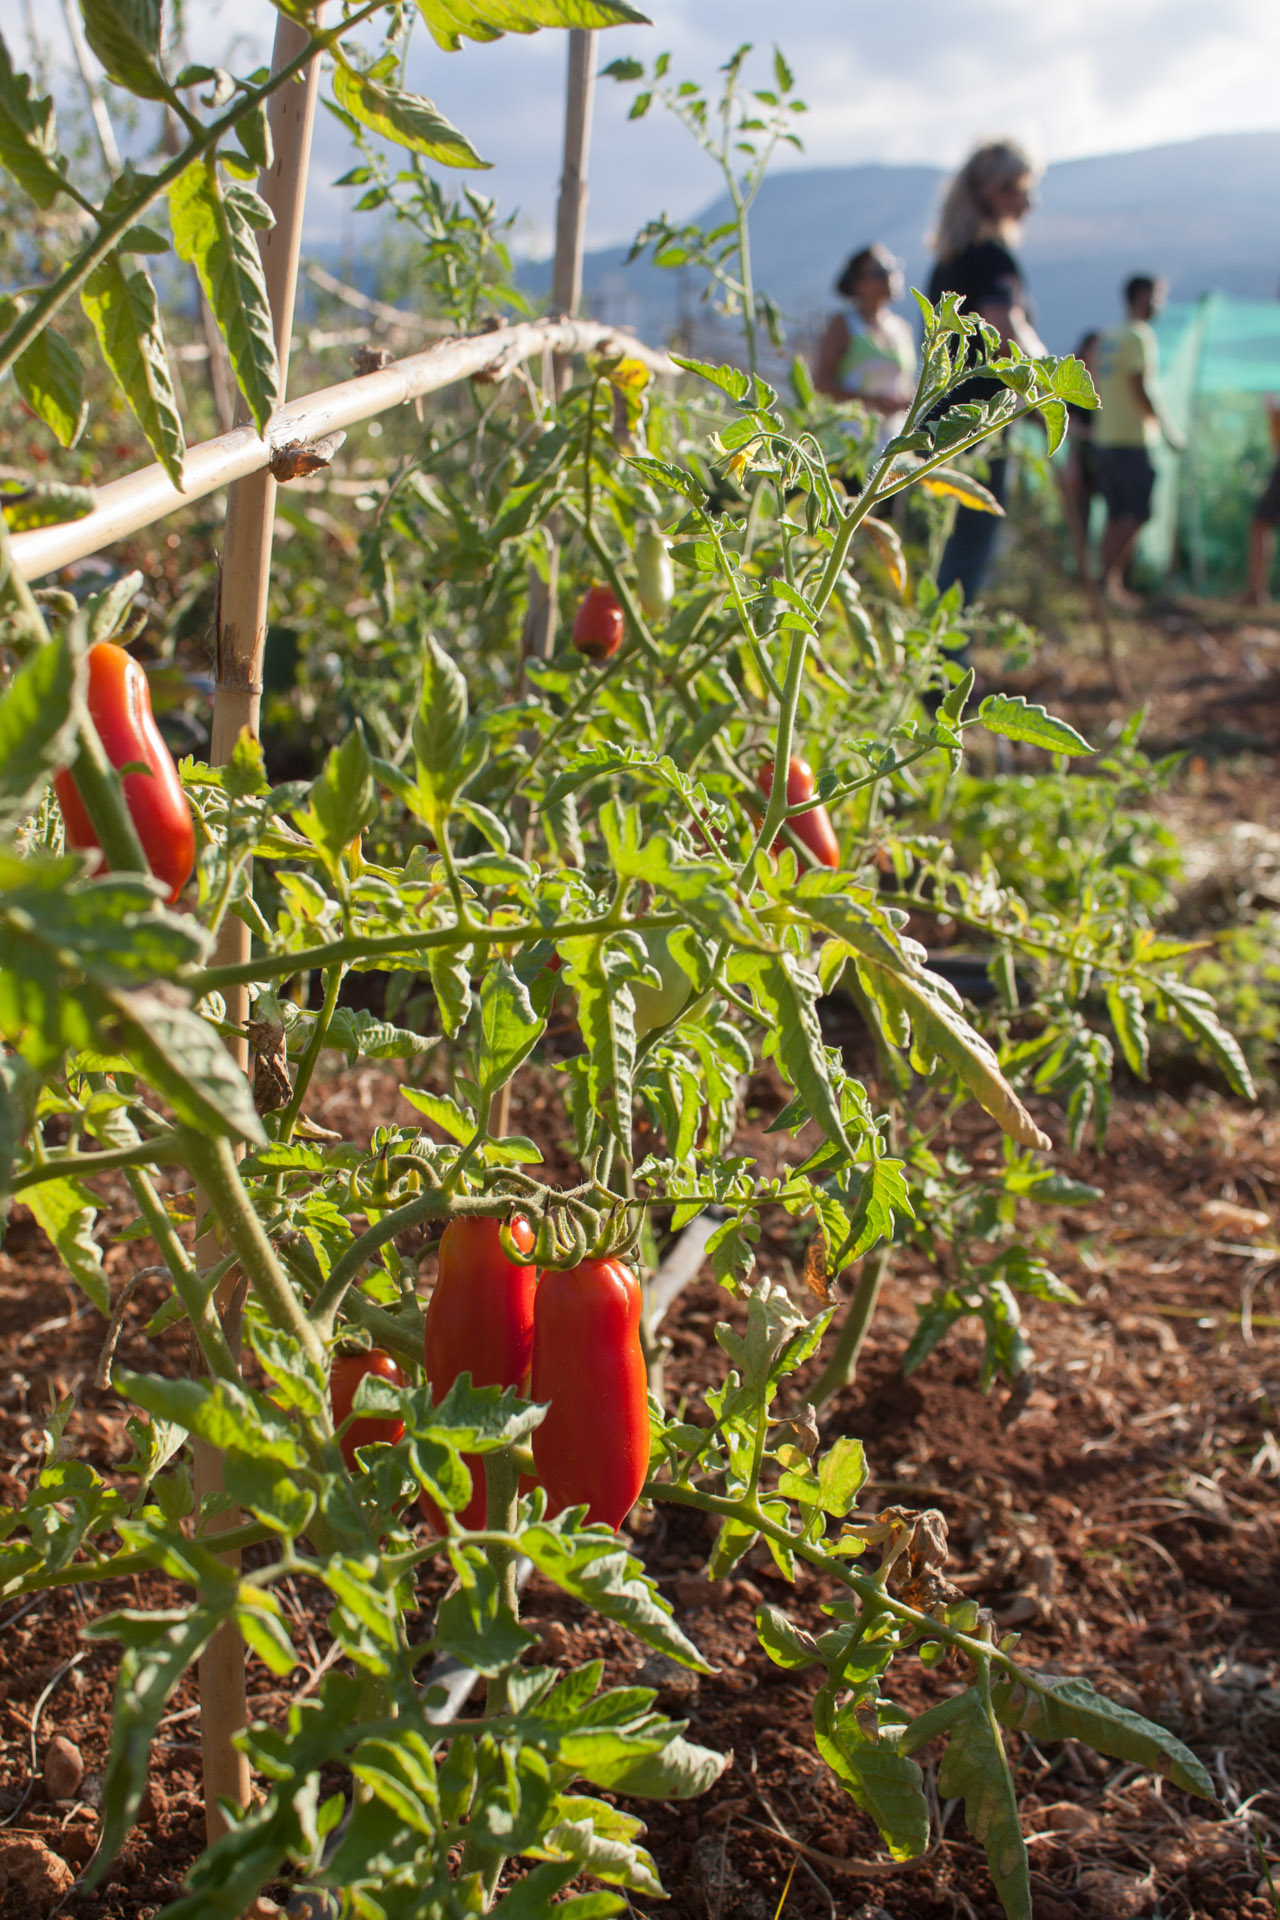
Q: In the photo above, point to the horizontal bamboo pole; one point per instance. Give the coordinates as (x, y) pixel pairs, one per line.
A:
(140, 499)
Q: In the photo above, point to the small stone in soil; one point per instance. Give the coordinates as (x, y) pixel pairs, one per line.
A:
(63, 1768)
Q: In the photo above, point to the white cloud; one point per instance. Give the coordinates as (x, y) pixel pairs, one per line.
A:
(918, 80)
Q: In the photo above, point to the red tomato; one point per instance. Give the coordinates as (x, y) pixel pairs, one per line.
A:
(598, 624)
(120, 705)
(813, 828)
(479, 1321)
(348, 1370)
(593, 1444)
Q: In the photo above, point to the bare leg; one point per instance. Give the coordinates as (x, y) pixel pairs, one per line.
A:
(1118, 543)
(1262, 553)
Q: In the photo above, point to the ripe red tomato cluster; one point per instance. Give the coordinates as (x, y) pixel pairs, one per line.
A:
(119, 702)
(575, 1335)
(570, 1339)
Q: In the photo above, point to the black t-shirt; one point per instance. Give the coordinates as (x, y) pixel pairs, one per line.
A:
(984, 273)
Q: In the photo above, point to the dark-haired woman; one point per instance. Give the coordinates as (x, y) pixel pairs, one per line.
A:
(869, 354)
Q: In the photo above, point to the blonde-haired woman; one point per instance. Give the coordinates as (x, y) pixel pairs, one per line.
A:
(980, 222)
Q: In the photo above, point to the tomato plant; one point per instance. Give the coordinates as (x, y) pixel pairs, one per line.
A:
(481, 817)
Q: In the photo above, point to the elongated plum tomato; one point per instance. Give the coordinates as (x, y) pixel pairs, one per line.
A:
(120, 705)
(592, 1447)
(813, 828)
(655, 575)
(348, 1370)
(598, 623)
(479, 1321)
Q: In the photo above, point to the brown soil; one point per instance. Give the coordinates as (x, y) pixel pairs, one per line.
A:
(1120, 1513)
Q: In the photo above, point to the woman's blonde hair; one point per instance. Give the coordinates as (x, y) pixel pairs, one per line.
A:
(965, 214)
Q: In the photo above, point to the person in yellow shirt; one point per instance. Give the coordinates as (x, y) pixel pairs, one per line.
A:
(1130, 422)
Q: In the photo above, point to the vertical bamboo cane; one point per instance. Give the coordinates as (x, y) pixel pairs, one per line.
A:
(571, 209)
(566, 292)
(539, 639)
(242, 627)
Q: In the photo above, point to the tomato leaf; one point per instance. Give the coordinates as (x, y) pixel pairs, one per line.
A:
(28, 135)
(1009, 714)
(1072, 1709)
(589, 1563)
(51, 381)
(407, 119)
(122, 305)
(213, 230)
(452, 21)
(975, 1768)
(39, 715)
(125, 35)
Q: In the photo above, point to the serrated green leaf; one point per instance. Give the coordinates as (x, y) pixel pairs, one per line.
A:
(39, 715)
(184, 1059)
(452, 21)
(440, 730)
(591, 1565)
(1011, 715)
(599, 972)
(122, 305)
(213, 230)
(449, 969)
(343, 798)
(125, 35)
(975, 1768)
(602, 1839)
(407, 119)
(458, 1122)
(786, 1644)
(1075, 1710)
(1198, 1017)
(789, 995)
(508, 1023)
(229, 1417)
(51, 381)
(879, 1779)
(68, 1211)
(28, 135)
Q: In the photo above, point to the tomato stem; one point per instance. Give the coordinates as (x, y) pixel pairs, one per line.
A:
(213, 1163)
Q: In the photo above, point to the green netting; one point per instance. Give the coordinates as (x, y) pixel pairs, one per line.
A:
(1220, 362)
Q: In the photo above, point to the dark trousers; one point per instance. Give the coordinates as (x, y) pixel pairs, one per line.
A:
(967, 554)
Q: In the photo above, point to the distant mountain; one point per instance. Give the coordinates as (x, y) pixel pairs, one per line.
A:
(1204, 213)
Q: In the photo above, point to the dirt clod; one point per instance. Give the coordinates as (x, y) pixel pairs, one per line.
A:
(32, 1871)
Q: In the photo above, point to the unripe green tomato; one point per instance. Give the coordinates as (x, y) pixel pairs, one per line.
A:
(655, 575)
(655, 1006)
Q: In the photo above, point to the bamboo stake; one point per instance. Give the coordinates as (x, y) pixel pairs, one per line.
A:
(571, 208)
(138, 500)
(251, 504)
(242, 625)
(566, 292)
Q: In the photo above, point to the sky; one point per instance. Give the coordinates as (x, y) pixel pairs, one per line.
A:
(915, 80)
